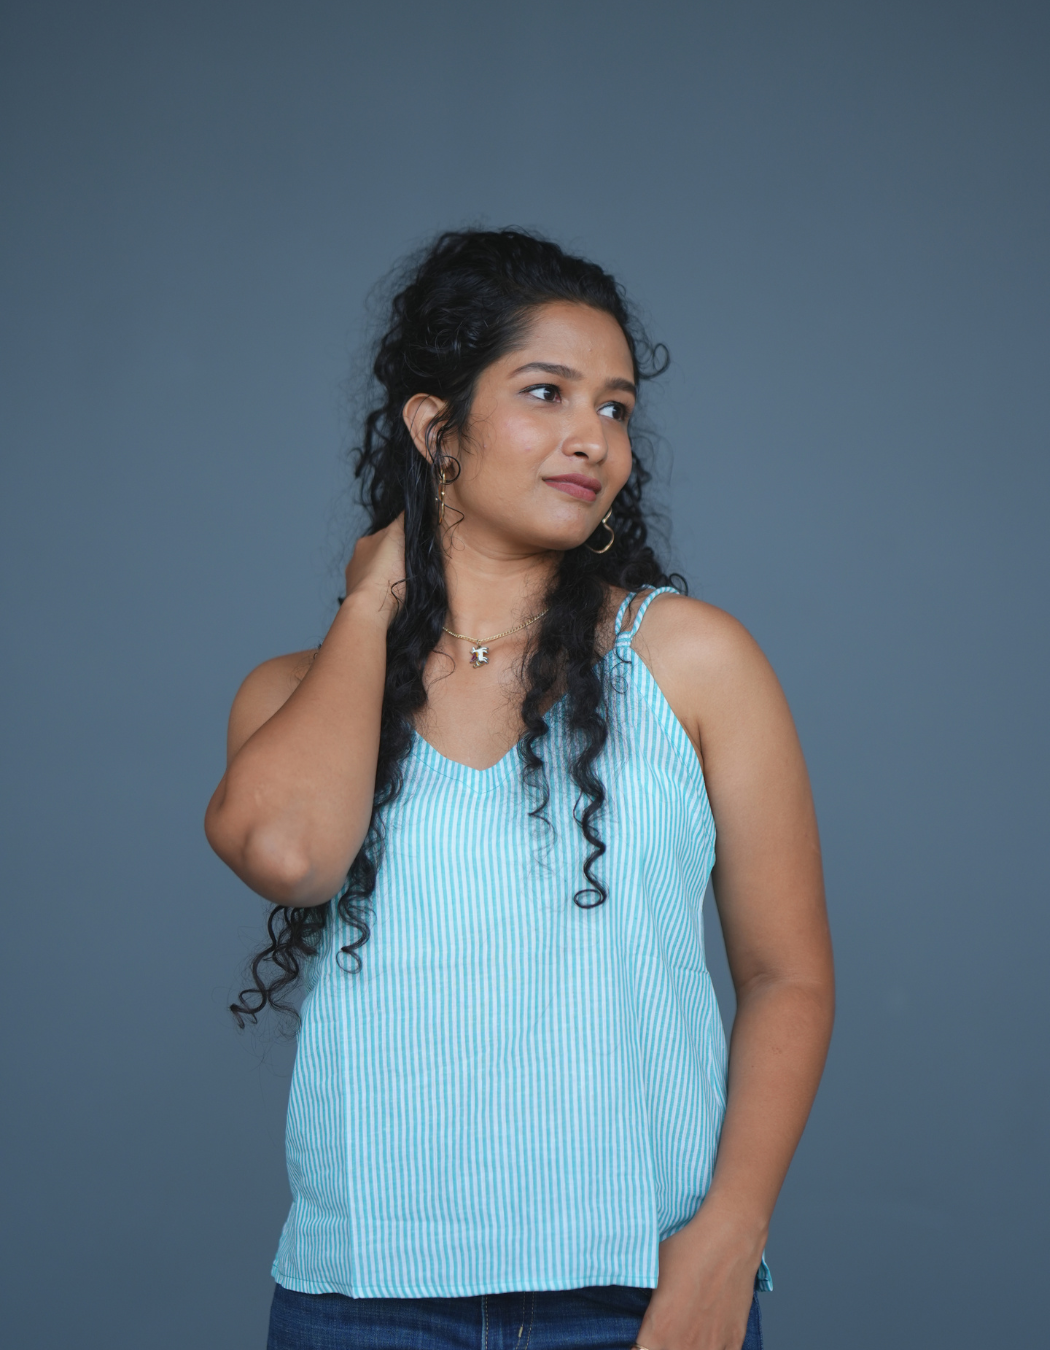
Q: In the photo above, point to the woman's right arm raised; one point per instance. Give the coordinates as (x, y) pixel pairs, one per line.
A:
(293, 807)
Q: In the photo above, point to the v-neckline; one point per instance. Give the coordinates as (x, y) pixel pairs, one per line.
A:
(493, 774)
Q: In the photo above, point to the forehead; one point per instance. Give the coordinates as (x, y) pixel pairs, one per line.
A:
(575, 335)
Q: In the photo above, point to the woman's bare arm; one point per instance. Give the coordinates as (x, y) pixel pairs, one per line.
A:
(293, 807)
(769, 890)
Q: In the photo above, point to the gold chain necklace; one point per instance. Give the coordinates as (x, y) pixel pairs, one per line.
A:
(479, 649)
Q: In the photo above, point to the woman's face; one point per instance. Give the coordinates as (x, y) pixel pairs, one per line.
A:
(554, 409)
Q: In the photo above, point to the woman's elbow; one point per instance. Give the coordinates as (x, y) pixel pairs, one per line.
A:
(278, 868)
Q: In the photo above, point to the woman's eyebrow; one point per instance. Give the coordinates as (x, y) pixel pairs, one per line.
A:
(567, 373)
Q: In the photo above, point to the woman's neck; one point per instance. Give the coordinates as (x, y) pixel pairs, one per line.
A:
(490, 589)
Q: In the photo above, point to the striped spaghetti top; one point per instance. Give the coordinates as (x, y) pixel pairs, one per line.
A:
(514, 1092)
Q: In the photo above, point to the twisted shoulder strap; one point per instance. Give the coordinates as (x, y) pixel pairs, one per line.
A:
(624, 638)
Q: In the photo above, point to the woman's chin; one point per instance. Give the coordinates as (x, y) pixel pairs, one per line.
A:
(540, 536)
(560, 535)
(566, 541)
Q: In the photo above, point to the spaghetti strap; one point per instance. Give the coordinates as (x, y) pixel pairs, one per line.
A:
(621, 612)
(624, 638)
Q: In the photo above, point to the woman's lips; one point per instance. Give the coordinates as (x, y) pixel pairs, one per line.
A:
(585, 494)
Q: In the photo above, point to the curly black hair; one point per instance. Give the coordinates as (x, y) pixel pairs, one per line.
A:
(459, 305)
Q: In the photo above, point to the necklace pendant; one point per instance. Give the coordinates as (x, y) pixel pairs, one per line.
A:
(479, 656)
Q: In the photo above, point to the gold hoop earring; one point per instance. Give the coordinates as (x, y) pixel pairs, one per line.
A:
(612, 533)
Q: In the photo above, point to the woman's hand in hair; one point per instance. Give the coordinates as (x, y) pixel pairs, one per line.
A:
(377, 567)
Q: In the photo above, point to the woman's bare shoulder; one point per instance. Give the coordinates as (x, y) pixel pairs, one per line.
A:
(682, 630)
(704, 660)
(268, 687)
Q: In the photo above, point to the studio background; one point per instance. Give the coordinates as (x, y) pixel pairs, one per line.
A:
(835, 215)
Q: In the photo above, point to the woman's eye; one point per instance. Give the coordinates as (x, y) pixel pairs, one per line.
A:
(615, 410)
(547, 392)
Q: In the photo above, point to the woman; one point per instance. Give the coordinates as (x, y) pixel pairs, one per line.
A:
(508, 762)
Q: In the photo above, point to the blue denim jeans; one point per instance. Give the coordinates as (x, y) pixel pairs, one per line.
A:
(599, 1317)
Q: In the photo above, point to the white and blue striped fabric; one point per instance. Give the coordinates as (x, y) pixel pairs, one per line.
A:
(514, 1092)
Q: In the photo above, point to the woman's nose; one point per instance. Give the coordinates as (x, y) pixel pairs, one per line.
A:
(587, 437)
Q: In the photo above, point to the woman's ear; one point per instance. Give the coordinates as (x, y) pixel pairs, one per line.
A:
(419, 414)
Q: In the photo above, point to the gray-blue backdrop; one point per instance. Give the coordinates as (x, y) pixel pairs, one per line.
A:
(835, 214)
